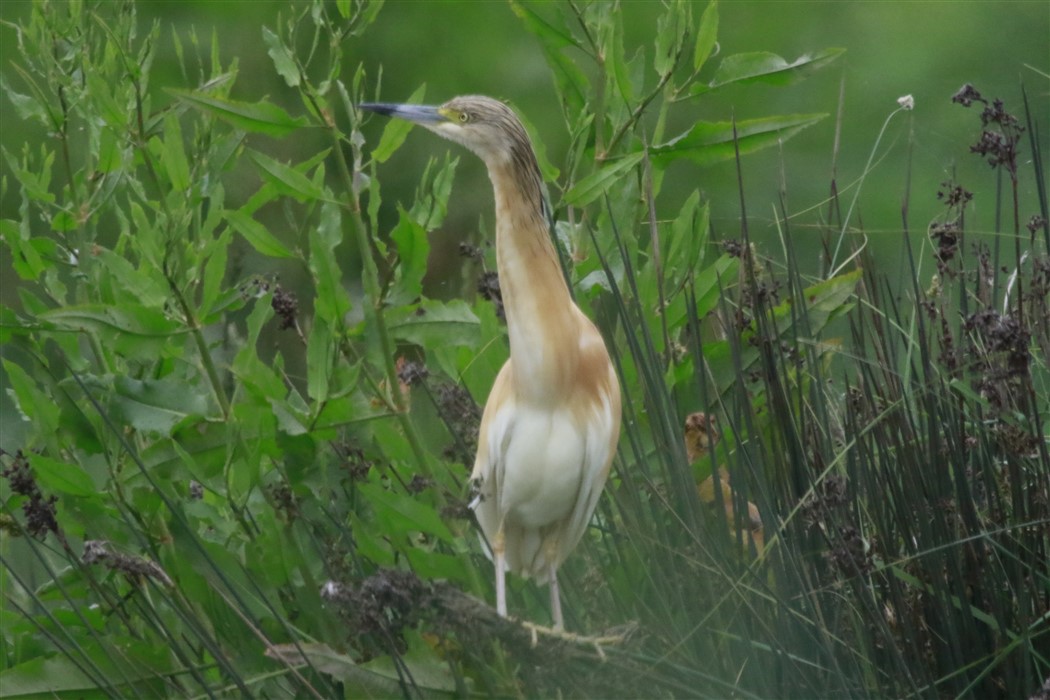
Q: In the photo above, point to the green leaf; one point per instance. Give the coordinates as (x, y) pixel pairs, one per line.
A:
(396, 130)
(156, 405)
(688, 236)
(431, 204)
(554, 37)
(287, 180)
(214, 274)
(671, 29)
(706, 35)
(26, 106)
(283, 60)
(256, 234)
(713, 142)
(571, 81)
(260, 117)
(331, 302)
(594, 185)
(434, 324)
(174, 159)
(413, 250)
(62, 477)
(63, 221)
(57, 677)
(765, 67)
(125, 667)
(379, 677)
(320, 353)
(825, 300)
(398, 513)
(131, 319)
(35, 405)
(25, 258)
(122, 280)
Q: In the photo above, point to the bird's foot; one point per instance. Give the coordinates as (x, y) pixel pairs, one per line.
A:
(595, 641)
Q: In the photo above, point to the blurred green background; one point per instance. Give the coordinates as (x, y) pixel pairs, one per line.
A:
(927, 49)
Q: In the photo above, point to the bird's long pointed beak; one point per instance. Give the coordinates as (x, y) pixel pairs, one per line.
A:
(421, 114)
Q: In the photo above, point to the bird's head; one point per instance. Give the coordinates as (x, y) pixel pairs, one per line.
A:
(486, 126)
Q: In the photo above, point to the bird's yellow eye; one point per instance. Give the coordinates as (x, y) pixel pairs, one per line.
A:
(464, 117)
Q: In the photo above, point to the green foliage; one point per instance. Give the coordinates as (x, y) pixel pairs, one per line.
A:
(230, 487)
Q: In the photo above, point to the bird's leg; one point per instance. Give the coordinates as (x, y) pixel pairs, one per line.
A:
(499, 559)
(559, 622)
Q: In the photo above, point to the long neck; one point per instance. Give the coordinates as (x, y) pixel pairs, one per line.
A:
(541, 316)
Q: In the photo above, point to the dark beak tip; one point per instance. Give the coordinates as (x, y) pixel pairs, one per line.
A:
(420, 114)
(378, 107)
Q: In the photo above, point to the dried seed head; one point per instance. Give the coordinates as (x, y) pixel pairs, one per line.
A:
(488, 288)
(285, 305)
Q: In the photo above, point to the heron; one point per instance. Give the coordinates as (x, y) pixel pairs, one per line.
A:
(552, 419)
(701, 435)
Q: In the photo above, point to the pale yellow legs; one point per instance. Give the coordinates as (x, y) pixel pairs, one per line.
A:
(552, 581)
(499, 558)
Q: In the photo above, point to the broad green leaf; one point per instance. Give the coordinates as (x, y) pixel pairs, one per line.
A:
(338, 413)
(201, 448)
(214, 274)
(413, 249)
(320, 353)
(121, 662)
(431, 204)
(283, 60)
(826, 300)
(174, 159)
(260, 117)
(26, 107)
(379, 677)
(110, 155)
(287, 180)
(56, 677)
(764, 67)
(61, 477)
(571, 81)
(256, 234)
(434, 324)
(708, 284)
(131, 319)
(706, 35)
(396, 130)
(331, 301)
(400, 514)
(552, 36)
(671, 29)
(63, 221)
(26, 259)
(289, 422)
(594, 185)
(713, 142)
(433, 565)
(156, 405)
(688, 236)
(430, 672)
(123, 281)
(115, 114)
(35, 406)
(10, 324)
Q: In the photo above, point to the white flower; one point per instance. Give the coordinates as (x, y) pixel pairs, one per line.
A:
(907, 102)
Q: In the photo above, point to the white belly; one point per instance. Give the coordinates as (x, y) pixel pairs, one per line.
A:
(543, 464)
